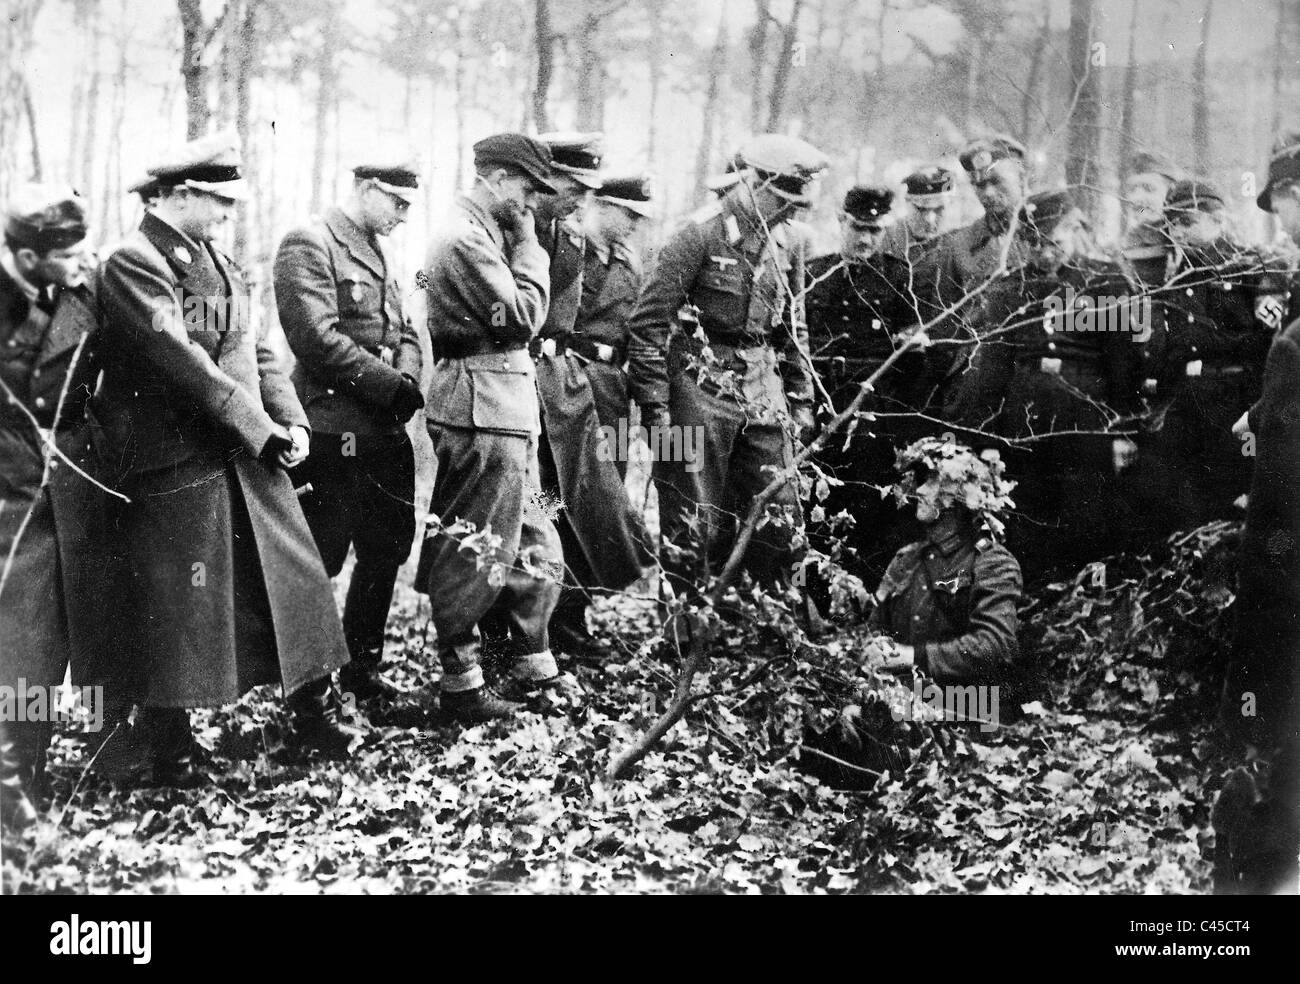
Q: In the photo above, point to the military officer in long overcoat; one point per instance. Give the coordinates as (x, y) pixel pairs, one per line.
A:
(226, 587)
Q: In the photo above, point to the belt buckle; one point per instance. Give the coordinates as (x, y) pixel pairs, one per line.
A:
(1195, 367)
(1050, 365)
(605, 353)
(548, 347)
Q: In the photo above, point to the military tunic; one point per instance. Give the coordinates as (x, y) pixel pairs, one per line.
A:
(57, 558)
(1202, 370)
(341, 309)
(486, 300)
(1057, 355)
(952, 274)
(731, 383)
(954, 599)
(858, 314)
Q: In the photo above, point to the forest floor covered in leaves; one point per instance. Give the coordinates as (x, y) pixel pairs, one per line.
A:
(1103, 784)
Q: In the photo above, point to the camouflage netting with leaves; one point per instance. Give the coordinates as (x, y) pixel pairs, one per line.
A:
(1103, 784)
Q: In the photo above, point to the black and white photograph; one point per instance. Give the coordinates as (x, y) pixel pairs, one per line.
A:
(651, 447)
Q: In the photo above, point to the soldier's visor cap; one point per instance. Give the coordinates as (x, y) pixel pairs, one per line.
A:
(786, 165)
(633, 193)
(578, 155)
(1044, 211)
(519, 153)
(869, 205)
(982, 154)
(210, 164)
(45, 217)
(1148, 163)
(1283, 168)
(147, 188)
(401, 180)
(1192, 196)
(929, 187)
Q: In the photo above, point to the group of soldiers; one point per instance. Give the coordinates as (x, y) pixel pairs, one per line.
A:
(175, 505)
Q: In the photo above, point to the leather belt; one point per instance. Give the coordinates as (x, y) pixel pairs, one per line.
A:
(1198, 368)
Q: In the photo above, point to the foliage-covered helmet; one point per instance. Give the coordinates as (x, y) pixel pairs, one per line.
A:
(942, 473)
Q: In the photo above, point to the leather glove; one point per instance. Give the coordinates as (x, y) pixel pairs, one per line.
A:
(278, 443)
(407, 399)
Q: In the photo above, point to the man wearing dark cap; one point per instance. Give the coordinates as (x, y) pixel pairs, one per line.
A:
(859, 308)
(741, 381)
(928, 193)
(1257, 816)
(55, 558)
(228, 589)
(1053, 369)
(358, 376)
(602, 536)
(961, 263)
(1222, 305)
(486, 292)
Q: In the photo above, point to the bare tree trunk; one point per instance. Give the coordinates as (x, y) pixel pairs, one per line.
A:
(1128, 104)
(717, 66)
(86, 164)
(194, 68)
(15, 42)
(589, 85)
(1201, 94)
(325, 84)
(1029, 96)
(461, 101)
(654, 62)
(1279, 58)
(30, 110)
(111, 190)
(245, 62)
(758, 60)
(544, 41)
(1084, 134)
(781, 75)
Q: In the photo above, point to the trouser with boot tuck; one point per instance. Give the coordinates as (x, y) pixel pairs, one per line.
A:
(497, 555)
(728, 436)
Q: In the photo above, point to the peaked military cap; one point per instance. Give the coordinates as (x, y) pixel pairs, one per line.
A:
(43, 217)
(1283, 166)
(633, 193)
(928, 187)
(147, 188)
(720, 183)
(982, 153)
(577, 154)
(1147, 163)
(1043, 212)
(1193, 196)
(518, 152)
(210, 164)
(871, 204)
(787, 164)
(400, 179)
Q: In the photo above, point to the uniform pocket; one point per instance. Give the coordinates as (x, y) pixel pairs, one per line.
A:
(356, 297)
